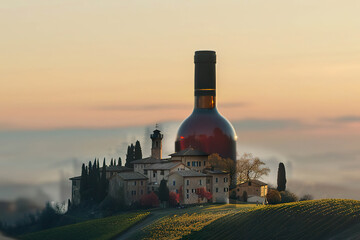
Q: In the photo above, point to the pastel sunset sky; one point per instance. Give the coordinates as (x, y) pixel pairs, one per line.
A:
(109, 63)
(83, 79)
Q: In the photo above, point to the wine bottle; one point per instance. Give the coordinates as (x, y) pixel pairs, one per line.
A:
(206, 129)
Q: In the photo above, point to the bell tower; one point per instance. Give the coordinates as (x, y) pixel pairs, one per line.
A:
(156, 147)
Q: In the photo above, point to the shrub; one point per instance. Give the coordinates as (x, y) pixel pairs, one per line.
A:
(174, 199)
(245, 196)
(287, 197)
(201, 192)
(273, 197)
(149, 200)
(306, 197)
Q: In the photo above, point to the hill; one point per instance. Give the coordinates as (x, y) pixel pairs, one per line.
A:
(97, 229)
(317, 219)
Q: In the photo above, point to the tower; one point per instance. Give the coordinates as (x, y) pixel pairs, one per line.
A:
(156, 147)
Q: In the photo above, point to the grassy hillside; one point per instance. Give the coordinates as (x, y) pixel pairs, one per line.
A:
(181, 223)
(99, 229)
(318, 219)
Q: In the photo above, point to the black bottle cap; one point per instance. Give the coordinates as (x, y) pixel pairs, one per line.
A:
(205, 78)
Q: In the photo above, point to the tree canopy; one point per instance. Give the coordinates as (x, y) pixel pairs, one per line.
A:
(250, 168)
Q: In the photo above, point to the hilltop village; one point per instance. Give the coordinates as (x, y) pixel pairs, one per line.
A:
(187, 173)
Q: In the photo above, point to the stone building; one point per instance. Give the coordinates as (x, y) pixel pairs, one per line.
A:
(129, 185)
(75, 181)
(186, 183)
(252, 188)
(217, 182)
(192, 158)
(75, 190)
(159, 171)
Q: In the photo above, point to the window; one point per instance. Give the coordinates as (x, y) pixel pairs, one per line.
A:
(187, 190)
(154, 174)
(145, 172)
(188, 182)
(192, 190)
(208, 181)
(200, 182)
(157, 144)
(142, 183)
(174, 183)
(176, 191)
(216, 180)
(199, 164)
(188, 163)
(187, 195)
(162, 172)
(204, 163)
(225, 179)
(134, 183)
(226, 189)
(216, 190)
(193, 163)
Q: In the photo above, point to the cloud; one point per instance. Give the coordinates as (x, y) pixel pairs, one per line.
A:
(345, 119)
(269, 124)
(152, 107)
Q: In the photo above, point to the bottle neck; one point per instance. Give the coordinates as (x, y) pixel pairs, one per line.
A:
(205, 102)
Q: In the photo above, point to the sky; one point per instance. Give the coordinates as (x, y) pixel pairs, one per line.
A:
(79, 79)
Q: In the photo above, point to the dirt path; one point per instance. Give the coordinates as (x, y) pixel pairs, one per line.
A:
(154, 215)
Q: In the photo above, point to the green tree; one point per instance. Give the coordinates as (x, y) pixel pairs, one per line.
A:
(163, 191)
(111, 162)
(119, 162)
(138, 151)
(83, 183)
(281, 178)
(130, 156)
(103, 183)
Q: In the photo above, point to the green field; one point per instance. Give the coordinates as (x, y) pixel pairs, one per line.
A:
(318, 219)
(99, 229)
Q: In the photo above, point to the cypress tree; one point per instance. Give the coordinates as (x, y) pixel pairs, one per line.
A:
(111, 162)
(119, 161)
(82, 182)
(163, 191)
(138, 152)
(281, 178)
(130, 156)
(103, 183)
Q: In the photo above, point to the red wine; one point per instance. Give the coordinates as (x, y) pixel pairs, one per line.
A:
(206, 129)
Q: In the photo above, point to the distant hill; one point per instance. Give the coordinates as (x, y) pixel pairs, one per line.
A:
(317, 219)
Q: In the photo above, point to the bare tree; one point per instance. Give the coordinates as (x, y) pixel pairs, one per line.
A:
(250, 168)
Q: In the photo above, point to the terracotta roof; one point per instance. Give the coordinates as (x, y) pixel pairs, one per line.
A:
(257, 182)
(190, 173)
(215, 171)
(190, 152)
(163, 166)
(132, 176)
(117, 169)
(147, 160)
